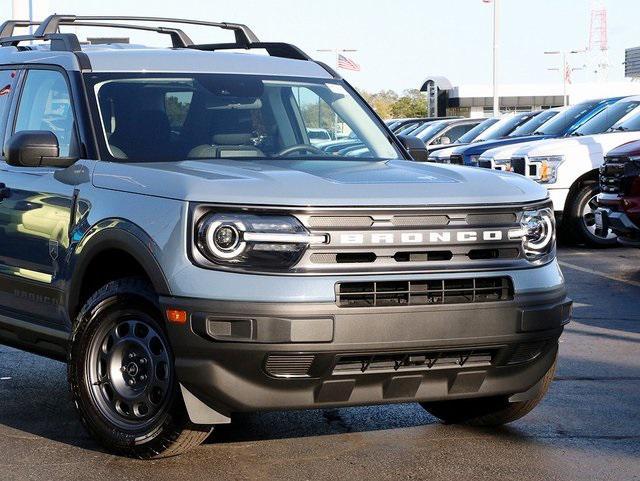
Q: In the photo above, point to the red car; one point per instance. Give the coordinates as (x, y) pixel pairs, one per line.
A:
(619, 201)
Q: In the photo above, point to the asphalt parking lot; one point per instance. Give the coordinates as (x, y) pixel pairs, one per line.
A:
(588, 427)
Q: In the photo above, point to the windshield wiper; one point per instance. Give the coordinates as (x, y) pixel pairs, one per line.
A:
(576, 134)
(619, 128)
(538, 132)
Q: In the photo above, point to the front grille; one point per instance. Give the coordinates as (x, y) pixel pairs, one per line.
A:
(410, 293)
(420, 360)
(456, 159)
(413, 239)
(289, 365)
(617, 174)
(519, 165)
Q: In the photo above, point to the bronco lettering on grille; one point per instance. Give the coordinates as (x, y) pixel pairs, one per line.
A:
(432, 237)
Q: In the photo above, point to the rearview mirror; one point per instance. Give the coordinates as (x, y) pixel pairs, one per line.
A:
(36, 148)
(416, 148)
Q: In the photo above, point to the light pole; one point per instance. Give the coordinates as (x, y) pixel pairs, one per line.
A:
(565, 69)
(496, 99)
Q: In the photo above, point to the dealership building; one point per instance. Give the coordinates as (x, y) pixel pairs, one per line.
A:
(471, 100)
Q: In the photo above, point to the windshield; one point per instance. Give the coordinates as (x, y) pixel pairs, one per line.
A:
(628, 124)
(562, 123)
(432, 129)
(528, 128)
(164, 117)
(607, 118)
(477, 130)
(504, 127)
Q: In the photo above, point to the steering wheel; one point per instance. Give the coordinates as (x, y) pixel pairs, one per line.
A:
(301, 148)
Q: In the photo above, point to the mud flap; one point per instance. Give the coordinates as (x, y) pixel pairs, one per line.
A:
(199, 412)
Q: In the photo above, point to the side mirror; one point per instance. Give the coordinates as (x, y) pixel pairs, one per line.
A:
(444, 140)
(415, 147)
(36, 148)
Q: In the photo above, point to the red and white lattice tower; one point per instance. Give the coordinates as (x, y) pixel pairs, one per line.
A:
(598, 42)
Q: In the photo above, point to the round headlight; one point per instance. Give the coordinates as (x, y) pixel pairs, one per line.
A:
(539, 231)
(223, 238)
(226, 237)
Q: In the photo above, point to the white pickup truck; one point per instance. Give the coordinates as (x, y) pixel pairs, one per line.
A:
(568, 167)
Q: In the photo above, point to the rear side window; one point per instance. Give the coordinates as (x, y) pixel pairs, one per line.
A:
(7, 83)
(455, 132)
(45, 104)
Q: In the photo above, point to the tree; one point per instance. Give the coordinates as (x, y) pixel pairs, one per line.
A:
(388, 104)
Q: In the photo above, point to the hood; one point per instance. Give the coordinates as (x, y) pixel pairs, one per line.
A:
(444, 153)
(317, 183)
(504, 152)
(436, 148)
(630, 149)
(593, 145)
(480, 147)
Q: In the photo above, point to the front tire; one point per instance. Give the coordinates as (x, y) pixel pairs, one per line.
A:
(122, 377)
(580, 224)
(493, 411)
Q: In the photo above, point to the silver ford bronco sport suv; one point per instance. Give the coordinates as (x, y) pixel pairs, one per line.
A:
(169, 229)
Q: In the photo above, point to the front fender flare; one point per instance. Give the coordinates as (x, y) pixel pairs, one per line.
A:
(113, 234)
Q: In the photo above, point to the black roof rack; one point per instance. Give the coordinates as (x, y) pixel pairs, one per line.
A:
(51, 25)
(49, 29)
(244, 35)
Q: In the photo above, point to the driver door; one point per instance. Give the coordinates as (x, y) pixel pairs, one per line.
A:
(36, 210)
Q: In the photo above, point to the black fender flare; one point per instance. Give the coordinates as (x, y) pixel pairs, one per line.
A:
(113, 234)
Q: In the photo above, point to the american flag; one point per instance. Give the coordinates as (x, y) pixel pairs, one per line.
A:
(347, 63)
(567, 73)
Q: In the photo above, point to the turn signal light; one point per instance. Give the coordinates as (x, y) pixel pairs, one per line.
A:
(176, 316)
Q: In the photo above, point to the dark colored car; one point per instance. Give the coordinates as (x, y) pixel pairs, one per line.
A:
(402, 124)
(470, 136)
(619, 202)
(446, 132)
(564, 123)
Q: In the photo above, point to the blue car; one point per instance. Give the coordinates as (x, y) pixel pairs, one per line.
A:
(562, 124)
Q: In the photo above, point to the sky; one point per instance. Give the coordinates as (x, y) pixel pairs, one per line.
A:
(400, 43)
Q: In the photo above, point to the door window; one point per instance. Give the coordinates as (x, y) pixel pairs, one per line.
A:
(7, 82)
(45, 104)
(454, 133)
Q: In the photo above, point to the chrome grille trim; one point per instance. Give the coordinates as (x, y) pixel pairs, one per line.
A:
(413, 240)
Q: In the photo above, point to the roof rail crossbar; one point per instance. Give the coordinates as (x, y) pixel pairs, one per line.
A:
(7, 28)
(179, 39)
(275, 49)
(243, 34)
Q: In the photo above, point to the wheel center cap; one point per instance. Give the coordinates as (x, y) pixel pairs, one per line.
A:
(132, 369)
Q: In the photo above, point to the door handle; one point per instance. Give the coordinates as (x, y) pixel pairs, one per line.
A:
(4, 191)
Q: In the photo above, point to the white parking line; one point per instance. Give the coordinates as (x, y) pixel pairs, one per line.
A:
(5, 379)
(598, 273)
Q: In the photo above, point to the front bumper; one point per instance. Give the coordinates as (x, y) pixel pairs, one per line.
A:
(251, 356)
(620, 223)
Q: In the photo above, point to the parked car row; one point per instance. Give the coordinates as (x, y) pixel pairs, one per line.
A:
(562, 149)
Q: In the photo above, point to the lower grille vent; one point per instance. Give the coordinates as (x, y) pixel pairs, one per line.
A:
(445, 291)
(527, 352)
(412, 361)
(287, 365)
